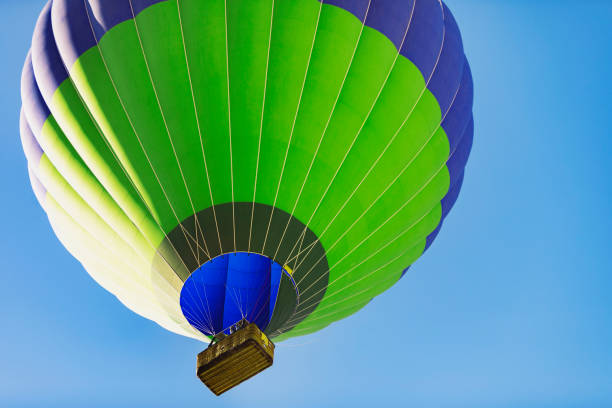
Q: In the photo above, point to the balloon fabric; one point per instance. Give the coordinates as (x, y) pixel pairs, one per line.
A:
(283, 161)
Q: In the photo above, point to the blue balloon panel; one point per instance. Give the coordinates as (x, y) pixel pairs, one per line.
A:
(229, 288)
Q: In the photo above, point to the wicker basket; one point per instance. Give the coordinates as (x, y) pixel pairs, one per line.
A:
(235, 358)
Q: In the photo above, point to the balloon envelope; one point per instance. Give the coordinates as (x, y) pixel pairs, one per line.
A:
(279, 160)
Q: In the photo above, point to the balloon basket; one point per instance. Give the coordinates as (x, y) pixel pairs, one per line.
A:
(234, 359)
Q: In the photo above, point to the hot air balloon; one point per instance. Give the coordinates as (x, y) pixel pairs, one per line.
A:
(221, 164)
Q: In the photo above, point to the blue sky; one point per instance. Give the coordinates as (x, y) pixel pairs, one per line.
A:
(511, 307)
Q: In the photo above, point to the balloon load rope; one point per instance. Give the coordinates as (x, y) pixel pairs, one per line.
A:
(234, 358)
(241, 324)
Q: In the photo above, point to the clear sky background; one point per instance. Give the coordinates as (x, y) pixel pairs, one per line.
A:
(511, 307)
